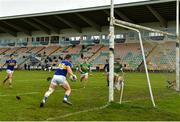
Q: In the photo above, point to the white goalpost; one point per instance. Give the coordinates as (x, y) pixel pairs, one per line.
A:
(135, 28)
(177, 46)
(111, 54)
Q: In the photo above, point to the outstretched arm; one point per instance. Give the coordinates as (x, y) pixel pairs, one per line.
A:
(3, 65)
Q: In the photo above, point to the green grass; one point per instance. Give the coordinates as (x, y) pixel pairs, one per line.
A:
(136, 102)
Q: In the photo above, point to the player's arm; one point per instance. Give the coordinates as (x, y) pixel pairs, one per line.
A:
(15, 63)
(3, 65)
(80, 70)
(69, 70)
(89, 67)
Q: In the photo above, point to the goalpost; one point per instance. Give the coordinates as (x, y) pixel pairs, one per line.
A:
(135, 28)
(177, 46)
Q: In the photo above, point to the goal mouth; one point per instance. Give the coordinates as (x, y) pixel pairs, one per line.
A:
(137, 28)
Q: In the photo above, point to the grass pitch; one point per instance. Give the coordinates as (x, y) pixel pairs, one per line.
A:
(88, 103)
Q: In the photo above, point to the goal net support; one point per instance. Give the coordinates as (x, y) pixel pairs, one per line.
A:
(136, 28)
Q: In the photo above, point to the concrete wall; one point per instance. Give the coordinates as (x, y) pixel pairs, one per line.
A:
(87, 31)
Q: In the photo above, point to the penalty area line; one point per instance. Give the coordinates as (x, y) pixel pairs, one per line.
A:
(79, 112)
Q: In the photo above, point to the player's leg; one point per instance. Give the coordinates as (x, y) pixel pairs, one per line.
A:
(7, 77)
(51, 89)
(85, 79)
(10, 79)
(82, 77)
(4, 81)
(119, 82)
(107, 79)
(67, 93)
(115, 81)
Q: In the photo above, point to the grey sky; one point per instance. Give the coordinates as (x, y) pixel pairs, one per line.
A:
(21, 7)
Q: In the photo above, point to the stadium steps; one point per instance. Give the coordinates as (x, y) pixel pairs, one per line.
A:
(54, 51)
(21, 64)
(148, 57)
(40, 50)
(66, 48)
(5, 50)
(9, 52)
(50, 54)
(101, 58)
(14, 51)
(18, 52)
(95, 54)
(31, 48)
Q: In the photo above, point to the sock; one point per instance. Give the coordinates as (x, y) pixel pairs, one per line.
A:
(5, 80)
(66, 97)
(10, 83)
(47, 94)
(107, 82)
(44, 99)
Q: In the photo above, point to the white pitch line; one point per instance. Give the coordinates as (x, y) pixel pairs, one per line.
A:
(30, 80)
(28, 93)
(78, 89)
(79, 112)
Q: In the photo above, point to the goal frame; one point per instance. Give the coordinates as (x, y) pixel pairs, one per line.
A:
(137, 28)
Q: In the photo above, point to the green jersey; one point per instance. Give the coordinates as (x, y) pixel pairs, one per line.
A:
(85, 67)
(117, 67)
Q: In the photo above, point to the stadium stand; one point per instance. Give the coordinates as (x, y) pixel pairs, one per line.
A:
(45, 39)
(160, 56)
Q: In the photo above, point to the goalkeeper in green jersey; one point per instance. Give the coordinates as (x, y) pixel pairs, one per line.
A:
(118, 74)
(84, 70)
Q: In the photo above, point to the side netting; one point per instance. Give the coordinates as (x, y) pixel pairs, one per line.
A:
(162, 60)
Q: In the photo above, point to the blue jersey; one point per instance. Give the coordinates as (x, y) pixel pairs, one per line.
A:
(10, 64)
(62, 68)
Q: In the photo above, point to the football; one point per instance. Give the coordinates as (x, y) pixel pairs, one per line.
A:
(18, 97)
(49, 78)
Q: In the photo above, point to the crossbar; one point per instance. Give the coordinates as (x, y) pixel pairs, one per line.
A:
(141, 27)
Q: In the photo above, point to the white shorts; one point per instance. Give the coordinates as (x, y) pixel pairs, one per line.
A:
(9, 71)
(84, 75)
(118, 85)
(58, 80)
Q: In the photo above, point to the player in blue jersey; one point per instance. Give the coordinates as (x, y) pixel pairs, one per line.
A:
(59, 78)
(11, 63)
